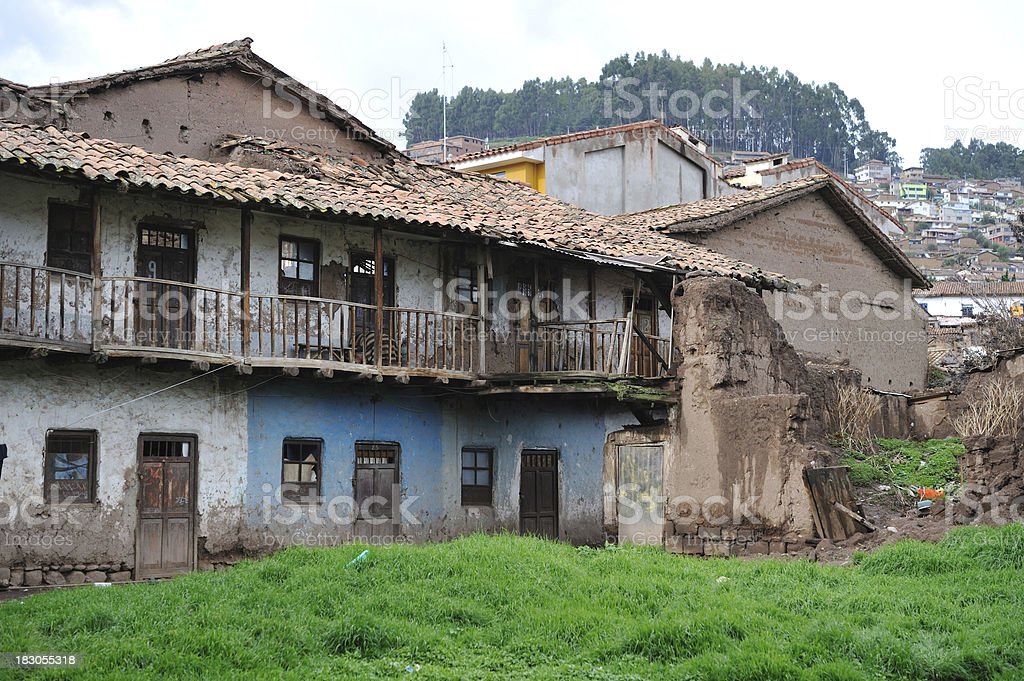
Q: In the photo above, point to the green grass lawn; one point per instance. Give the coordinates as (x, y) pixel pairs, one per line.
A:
(510, 607)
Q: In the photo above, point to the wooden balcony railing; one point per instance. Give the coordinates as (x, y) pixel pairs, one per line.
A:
(45, 306)
(600, 346)
(173, 318)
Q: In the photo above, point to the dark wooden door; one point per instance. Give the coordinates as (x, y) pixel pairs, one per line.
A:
(376, 491)
(165, 308)
(538, 493)
(166, 532)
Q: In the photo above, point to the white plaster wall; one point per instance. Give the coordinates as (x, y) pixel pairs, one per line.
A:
(23, 214)
(36, 396)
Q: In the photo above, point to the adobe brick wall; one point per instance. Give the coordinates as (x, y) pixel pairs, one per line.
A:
(748, 422)
(806, 239)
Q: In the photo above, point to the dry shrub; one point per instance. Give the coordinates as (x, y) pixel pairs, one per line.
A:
(998, 411)
(854, 410)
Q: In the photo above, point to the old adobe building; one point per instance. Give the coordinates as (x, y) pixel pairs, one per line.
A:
(271, 343)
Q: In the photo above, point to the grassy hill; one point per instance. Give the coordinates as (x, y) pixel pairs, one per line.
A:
(511, 607)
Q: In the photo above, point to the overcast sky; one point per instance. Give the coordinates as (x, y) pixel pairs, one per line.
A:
(918, 69)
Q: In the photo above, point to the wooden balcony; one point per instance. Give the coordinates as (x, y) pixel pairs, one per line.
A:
(599, 347)
(45, 308)
(133, 316)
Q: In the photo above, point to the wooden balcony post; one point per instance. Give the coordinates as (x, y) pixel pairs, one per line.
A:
(672, 321)
(627, 338)
(378, 287)
(246, 277)
(592, 312)
(481, 308)
(97, 273)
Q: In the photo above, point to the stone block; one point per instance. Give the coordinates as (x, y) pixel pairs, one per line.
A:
(757, 548)
(95, 576)
(123, 576)
(76, 577)
(54, 578)
(33, 577)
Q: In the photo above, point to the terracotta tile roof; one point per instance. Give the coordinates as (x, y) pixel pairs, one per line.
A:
(980, 289)
(711, 214)
(700, 216)
(235, 53)
(628, 128)
(403, 192)
(731, 172)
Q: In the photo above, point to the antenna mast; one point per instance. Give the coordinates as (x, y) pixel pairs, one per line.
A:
(444, 101)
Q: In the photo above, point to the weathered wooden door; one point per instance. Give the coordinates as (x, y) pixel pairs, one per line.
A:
(640, 506)
(538, 493)
(164, 308)
(376, 491)
(167, 491)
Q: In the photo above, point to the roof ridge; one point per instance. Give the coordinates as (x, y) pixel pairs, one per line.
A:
(241, 45)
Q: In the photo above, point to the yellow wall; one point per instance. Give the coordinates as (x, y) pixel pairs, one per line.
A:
(521, 171)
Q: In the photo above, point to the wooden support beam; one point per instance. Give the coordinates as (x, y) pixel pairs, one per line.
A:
(481, 297)
(246, 276)
(378, 287)
(650, 346)
(627, 337)
(856, 516)
(96, 267)
(592, 313)
(672, 322)
(200, 366)
(290, 371)
(243, 369)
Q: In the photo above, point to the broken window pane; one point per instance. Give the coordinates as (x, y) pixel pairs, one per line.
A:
(300, 470)
(299, 267)
(70, 466)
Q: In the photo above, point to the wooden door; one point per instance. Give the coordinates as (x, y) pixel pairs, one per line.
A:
(376, 491)
(164, 308)
(538, 493)
(166, 531)
(362, 289)
(639, 474)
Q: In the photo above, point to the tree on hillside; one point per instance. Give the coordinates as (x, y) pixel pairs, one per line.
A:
(731, 106)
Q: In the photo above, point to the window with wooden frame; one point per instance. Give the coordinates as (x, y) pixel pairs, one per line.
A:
(299, 273)
(300, 470)
(70, 466)
(477, 476)
(69, 237)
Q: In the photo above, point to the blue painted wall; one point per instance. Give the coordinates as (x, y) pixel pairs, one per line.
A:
(432, 426)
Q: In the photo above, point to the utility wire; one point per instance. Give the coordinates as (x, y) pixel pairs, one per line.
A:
(151, 394)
